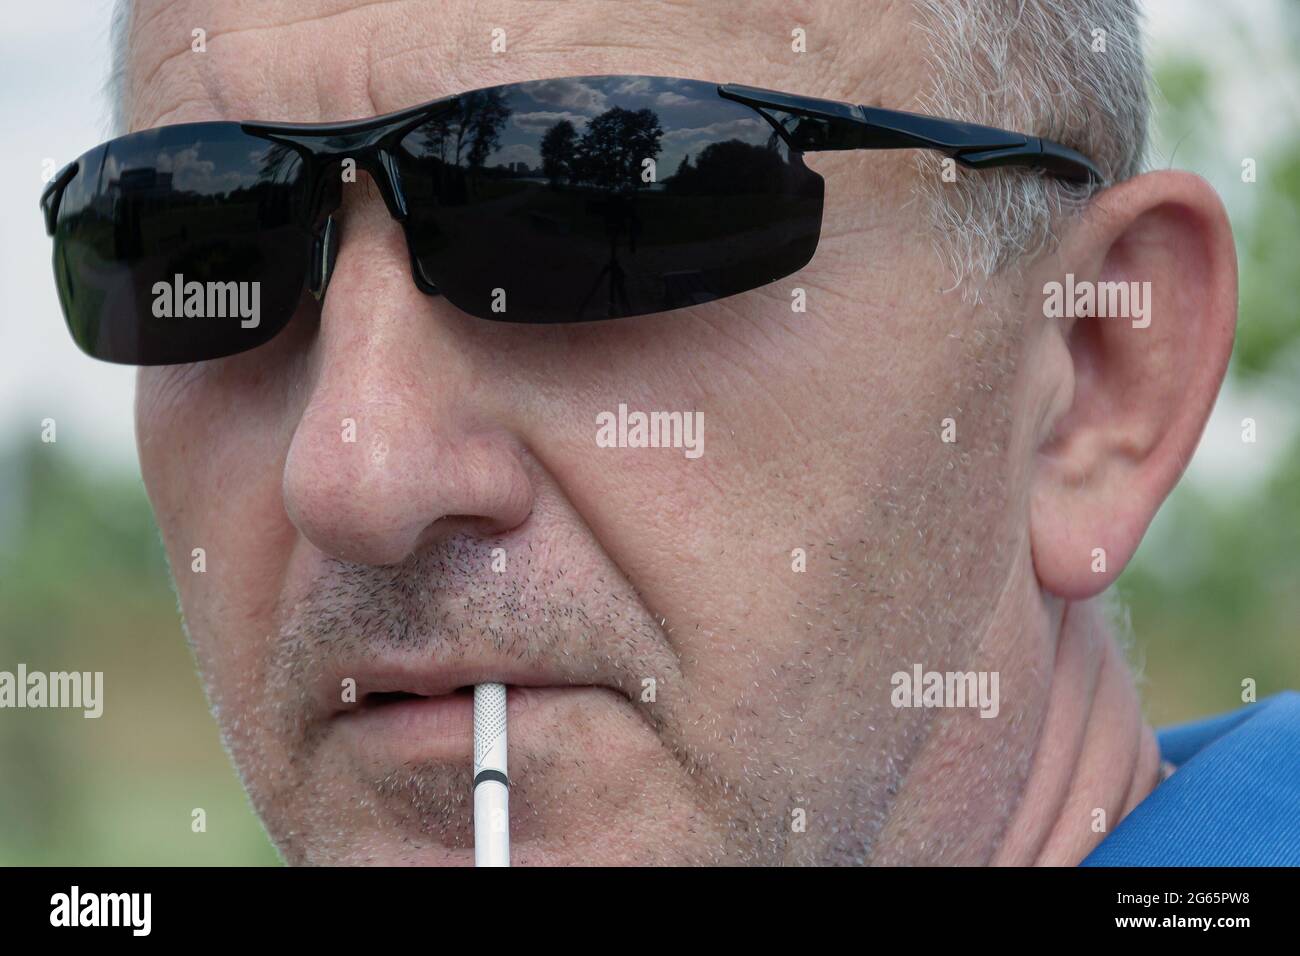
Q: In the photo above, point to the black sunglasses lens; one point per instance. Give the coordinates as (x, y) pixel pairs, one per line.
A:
(598, 197)
(182, 244)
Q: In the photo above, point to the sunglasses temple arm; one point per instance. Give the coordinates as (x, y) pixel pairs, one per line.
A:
(811, 125)
(972, 145)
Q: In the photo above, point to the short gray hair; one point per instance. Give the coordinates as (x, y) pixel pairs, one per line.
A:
(1069, 70)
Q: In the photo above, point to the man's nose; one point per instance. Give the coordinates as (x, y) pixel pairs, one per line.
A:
(399, 443)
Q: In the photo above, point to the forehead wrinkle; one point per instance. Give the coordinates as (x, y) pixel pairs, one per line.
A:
(451, 51)
(569, 39)
(747, 45)
(220, 22)
(873, 56)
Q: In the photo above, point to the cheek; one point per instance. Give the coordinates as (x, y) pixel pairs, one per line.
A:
(172, 439)
(211, 462)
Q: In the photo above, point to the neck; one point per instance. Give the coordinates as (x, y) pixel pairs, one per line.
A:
(1096, 758)
(1053, 775)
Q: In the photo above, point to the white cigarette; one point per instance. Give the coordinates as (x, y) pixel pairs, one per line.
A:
(491, 784)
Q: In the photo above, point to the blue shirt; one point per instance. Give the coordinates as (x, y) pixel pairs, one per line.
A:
(1234, 800)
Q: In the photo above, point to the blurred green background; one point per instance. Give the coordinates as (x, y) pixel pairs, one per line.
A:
(1211, 597)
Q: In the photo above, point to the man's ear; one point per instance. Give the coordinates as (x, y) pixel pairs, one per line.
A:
(1133, 396)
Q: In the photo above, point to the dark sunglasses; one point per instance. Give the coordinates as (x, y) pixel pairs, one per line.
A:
(562, 200)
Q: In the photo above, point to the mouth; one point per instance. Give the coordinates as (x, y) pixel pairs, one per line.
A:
(386, 698)
(430, 724)
(426, 713)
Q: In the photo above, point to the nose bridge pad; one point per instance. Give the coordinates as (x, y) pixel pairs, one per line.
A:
(324, 253)
(422, 279)
(391, 186)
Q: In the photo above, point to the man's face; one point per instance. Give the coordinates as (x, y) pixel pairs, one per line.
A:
(679, 685)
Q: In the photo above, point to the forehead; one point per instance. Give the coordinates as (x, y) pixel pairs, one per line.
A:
(329, 60)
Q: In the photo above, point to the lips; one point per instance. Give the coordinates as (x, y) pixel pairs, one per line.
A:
(399, 681)
(411, 710)
(429, 727)
(396, 731)
(403, 677)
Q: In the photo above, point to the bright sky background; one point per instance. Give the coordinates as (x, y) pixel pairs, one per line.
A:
(53, 63)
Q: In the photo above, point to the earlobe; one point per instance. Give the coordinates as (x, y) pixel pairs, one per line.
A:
(1143, 296)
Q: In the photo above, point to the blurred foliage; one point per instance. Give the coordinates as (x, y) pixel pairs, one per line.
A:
(1214, 598)
(1219, 602)
(84, 586)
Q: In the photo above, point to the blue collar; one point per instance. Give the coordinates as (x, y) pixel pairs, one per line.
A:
(1233, 801)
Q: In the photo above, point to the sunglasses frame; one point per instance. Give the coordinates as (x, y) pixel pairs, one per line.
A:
(806, 124)
(831, 125)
